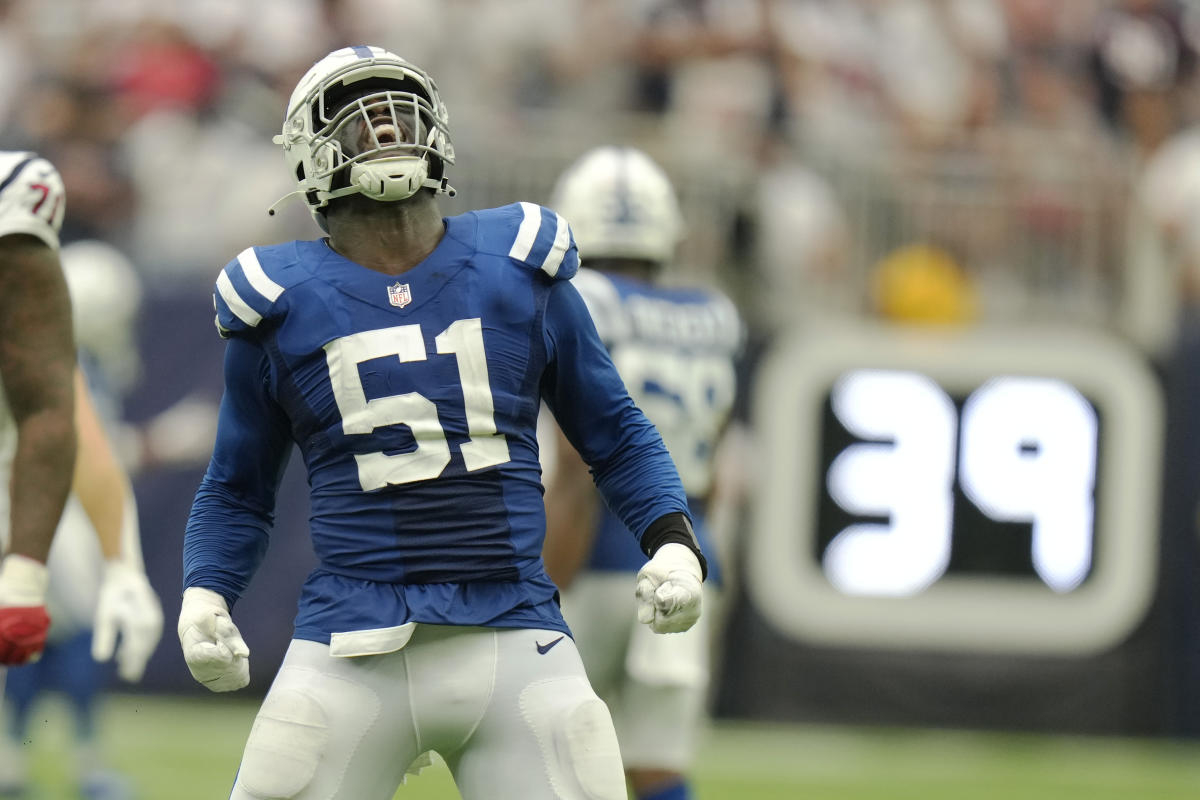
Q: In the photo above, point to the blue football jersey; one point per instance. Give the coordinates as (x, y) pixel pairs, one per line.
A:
(675, 348)
(413, 400)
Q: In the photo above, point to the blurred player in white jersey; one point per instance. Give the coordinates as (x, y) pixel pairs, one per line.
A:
(105, 294)
(675, 350)
(123, 609)
(37, 363)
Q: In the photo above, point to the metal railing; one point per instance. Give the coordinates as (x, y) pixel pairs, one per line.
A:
(1039, 231)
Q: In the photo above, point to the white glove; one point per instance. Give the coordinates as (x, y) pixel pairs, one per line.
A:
(212, 647)
(668, 589)
(129, 607)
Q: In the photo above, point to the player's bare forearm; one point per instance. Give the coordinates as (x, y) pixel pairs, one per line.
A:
(41, 481)
(571, 500)
(100, 481)
(37, 364)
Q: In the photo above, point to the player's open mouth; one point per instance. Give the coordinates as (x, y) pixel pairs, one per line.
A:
(385, 133)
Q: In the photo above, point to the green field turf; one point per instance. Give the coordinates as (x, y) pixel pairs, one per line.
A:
(188, 749)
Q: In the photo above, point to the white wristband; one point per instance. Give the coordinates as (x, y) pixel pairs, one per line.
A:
(23, 581)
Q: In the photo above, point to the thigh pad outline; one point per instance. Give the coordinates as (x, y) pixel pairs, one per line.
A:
(289, 735)
(306, 732)
(578, 742)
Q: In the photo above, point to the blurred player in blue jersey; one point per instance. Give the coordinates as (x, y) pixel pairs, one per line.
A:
(675, 349)
(406, 356)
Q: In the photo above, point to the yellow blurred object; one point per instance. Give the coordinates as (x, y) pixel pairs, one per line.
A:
(924, 285)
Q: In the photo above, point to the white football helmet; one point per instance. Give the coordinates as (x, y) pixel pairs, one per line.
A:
(620, 204)
(376, 115)
(106, 298)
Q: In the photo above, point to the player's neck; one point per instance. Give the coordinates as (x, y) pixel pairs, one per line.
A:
(387, 237)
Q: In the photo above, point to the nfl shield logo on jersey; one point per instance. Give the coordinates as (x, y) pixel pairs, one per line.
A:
(399, 294)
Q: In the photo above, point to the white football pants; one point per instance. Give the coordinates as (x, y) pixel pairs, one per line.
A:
(655, 684)
(510, 710)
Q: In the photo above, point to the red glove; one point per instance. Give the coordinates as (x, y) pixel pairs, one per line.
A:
(22, 633)
(23, 618)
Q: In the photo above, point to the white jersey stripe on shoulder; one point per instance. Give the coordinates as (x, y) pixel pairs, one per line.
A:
(235, 302)
(562, 240)
(257, 278)
(527, 233)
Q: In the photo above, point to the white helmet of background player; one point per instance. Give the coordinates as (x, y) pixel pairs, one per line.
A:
(364, 121)
(106, 297)
(620, 204)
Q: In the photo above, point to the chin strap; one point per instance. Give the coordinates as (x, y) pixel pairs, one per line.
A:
(441, 185)
(393, 178)
(284, 199)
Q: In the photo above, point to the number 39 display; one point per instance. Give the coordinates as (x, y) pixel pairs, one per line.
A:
(992, 491)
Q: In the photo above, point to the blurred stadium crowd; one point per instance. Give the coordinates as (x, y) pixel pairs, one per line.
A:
(811, 138)
(922, 160)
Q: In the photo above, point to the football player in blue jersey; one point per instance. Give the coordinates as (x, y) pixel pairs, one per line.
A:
(675, 349)
(406, 356)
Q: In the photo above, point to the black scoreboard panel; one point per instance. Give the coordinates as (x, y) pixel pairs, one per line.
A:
(952, 529)
(990, 491)
(1000, 481)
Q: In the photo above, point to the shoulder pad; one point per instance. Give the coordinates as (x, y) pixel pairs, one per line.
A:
(32, 198)
(535, 237)
(603, 302)
(244, 295)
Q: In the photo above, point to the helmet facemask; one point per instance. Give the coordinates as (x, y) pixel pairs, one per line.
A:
(382, 145)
